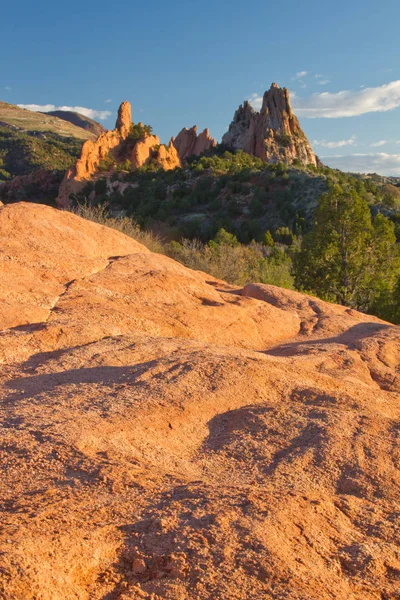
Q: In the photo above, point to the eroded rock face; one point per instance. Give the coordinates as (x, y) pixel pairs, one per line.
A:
(124, 119)
(188, 143)
(167, 435)
(150, 150)
(168, 157)
(91, 155)
(273, 134)
(143, 151)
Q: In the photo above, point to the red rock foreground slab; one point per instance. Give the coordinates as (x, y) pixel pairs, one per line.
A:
(168, 436)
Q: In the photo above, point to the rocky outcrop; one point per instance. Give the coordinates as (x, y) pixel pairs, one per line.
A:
(91, 155)
(124, 119)
(273, 134)
(146, 150)
(150, 150)
(168, 157)
(143, 151)
(170, 436)
(188, 143)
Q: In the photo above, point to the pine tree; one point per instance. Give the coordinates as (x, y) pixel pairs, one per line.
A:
(347, 257)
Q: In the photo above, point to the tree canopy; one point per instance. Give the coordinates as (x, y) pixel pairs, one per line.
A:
(348, 257)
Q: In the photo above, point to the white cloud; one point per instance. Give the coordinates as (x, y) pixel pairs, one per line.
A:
(349, 103)
(382, 163)
(378, 144)
(323, 81)
(339, 144)
(108, 101)
(256, 101)
(87, 112)
(301, 74)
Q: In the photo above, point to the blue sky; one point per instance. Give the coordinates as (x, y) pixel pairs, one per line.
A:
(190, 62)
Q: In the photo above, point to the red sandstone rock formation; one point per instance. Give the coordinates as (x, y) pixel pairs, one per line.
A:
(143, 152)
(91, 155)
(124, 119)
(273, 134)
(150, 150)
(167, 435)
(168, 157)
(188, 143)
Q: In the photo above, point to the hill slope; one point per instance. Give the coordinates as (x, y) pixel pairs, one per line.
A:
(28, 120)
(78, 120)
(168, 436)
(32, 141)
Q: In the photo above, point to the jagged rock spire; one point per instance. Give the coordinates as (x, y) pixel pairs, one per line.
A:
(273, 134)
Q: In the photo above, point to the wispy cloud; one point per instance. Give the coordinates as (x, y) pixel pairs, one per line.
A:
(87, 112)
(108, 101)
(299, 78)
(322, 80)
(382, 163)
(349, 103)
(7, 88)
(378, 144)
(339, 144)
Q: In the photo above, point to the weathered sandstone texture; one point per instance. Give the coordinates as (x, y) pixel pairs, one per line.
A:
(273, 134)
(167, 436)
(188, 143)
(92, 153)
(150, 150)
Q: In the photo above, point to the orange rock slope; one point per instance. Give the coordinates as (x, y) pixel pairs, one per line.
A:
(171, 437)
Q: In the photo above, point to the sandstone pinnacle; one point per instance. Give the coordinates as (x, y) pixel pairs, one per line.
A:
(273, 134)
(189, 143)
(124, 119)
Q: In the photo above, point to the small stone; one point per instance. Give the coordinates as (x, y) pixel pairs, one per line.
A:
(138, 566)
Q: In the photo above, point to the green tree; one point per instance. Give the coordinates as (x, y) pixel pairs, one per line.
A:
(224, 238)
(347, 257)
(284, 236)
(268, 240)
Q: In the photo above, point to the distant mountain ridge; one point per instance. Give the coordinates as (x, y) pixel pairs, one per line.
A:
(78, 120)
(33, 141)
(28, 120)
